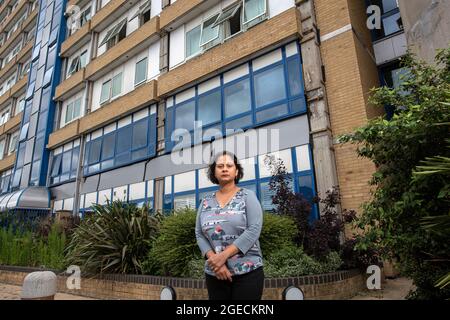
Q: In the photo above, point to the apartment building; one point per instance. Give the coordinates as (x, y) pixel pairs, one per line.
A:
(112, 90)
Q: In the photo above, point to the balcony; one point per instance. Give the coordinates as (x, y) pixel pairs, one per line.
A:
(8, 162)
(13, 15)
(14, 36)
(16, 90)
(64, 134)
(104, 17)
(71, 85)
(122, 51)
(120, 107)
(264, 36)
(11, 124)
(76, 40)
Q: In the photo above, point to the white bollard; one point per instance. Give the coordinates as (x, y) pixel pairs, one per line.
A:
(39, 286)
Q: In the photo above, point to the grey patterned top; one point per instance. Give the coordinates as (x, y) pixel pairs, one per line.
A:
(238, 223)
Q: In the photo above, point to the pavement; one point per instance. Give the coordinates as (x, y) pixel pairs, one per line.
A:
(10, 292)
(392, 289)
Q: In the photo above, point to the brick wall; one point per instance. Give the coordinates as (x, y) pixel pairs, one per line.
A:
(333, 286)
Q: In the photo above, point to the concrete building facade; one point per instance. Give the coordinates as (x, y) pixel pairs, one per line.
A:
(117, 91)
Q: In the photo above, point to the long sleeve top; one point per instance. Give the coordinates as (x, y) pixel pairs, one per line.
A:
(238, 223)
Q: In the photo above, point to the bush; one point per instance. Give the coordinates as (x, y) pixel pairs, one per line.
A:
(196, 268)
(115, 239)
(175, 246)
(293, 262)
(277, 232)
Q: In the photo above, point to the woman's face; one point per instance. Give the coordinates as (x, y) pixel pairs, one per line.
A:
(226, 170)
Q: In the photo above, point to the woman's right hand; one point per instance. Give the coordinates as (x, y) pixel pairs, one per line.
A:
(223, 274)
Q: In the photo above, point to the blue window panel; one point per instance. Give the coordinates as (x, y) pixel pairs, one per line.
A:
(140, 134)
(169, 128)
(139, 154)
(298, 105)
(94, 151)
(33, 71)
(53, 37)
(210, 132)
(209, 108)
(42, 122)
(266, 195)
(167, 206)
(30, 91)
(56, 166)
(21, 154)
(240, 123)
(123, 143)
(305, 184)
(153, 136)
(75, 157)
(35, 55)
(38, 147)
(237, 98)
(24, 131)
(270, 86)
(123, 159)
(47, 77)
(66, 161)
(16, 179)
(295, 78)
(45, 99)
(35, 171)
(185, 116)
(107, 164)
(109, 142)
(94, 168)
(27, 112)
(51, 57)
(271, 113)
(392, 24)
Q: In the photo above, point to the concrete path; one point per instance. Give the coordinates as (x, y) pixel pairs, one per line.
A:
(10, 292)
(392, 289)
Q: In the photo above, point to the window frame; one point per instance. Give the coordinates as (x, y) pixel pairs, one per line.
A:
(136, 84)
(261, 17)
(211, 17)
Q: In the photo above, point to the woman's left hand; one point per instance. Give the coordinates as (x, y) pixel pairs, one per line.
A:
(217, 260)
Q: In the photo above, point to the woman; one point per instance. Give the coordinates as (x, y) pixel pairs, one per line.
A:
(228, 226)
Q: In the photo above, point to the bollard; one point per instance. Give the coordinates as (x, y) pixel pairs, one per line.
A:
(39, 286)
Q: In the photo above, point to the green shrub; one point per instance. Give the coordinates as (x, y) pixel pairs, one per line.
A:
(116, 238)
(175, 246)
(196, 268)
(277, 232)
(291, 261)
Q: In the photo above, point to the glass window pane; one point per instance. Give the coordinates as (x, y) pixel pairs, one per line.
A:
(109, 143)
(239, 123)
(106, 87)
(83, 59)
(298, 105)
(209, 108)
(389, 5)
(186, 201)
(94, 151)
(124, 140)
(270, 86)
(140, 130)
(295, 84)
(306, 187)
(66, 161)
(116, 85)
(185, 116)
(193, 41)
(75, 156)
(141, 71)
(76, 108)
(208, 32)
(271, 113)
(69, 112)
(56, 165)
(392, 24)
(237, 98)
(253, 9)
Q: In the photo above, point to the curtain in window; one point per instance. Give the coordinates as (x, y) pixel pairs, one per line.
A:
(253, 8)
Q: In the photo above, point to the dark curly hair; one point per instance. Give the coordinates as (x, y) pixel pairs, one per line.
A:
(212, 167)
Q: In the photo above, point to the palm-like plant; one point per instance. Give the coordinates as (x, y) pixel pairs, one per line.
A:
(114, 239)
(440, 225)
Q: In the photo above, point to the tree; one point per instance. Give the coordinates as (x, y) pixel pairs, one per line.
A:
(392, 219)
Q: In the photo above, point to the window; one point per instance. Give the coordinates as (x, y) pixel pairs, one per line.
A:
(185, 116)
(65, 163)
(4, 115)
(254, 11)
(2, 148)
(390, 17)
(270, 86)
(141, 72)
(20, 105)
(231, 20)
(13, 141)
(77, 63)
(85, 16)
(209, 33)
(25, 68)
(73, 110)
(111, 88)
(237, 98)
(193, 42)
(116, 85)
(144, 13)
(106, 88)
(115, 34)
(209, 110)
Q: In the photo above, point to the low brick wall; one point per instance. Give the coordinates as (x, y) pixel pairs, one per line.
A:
(338, 285)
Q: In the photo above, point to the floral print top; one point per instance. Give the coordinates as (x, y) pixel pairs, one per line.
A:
(238, 223)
